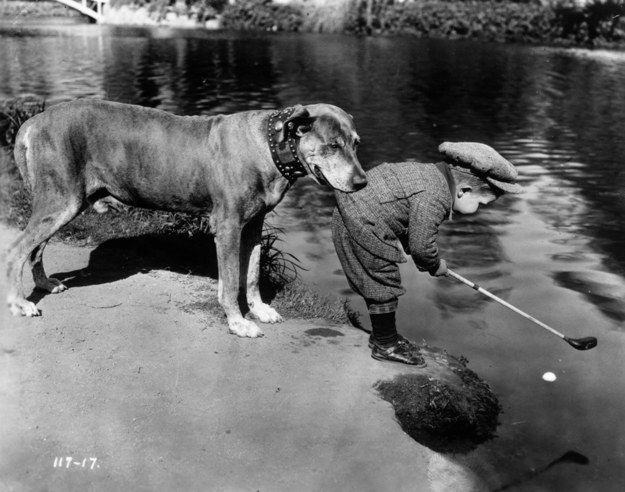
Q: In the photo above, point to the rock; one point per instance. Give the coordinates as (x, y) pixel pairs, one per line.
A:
(444, 406)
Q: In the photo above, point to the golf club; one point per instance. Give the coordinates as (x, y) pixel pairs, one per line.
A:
(578, 343)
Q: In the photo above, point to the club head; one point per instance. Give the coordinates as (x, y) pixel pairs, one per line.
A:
(574, 457)
(582, 343)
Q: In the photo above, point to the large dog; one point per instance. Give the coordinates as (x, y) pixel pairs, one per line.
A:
(235, 168)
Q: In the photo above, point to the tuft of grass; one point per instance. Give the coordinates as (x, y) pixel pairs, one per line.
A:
(353, 316)
(298, 300)
(278, 266)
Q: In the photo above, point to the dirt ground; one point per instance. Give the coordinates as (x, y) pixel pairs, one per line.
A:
(130, 381)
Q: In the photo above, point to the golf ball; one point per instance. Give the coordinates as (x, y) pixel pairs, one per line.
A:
(549, 376)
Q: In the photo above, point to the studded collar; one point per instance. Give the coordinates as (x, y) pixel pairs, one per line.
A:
(284, 150)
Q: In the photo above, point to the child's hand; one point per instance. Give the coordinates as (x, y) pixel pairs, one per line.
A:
(441, 271)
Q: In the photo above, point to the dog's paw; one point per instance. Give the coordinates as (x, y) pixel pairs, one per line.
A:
(22, 307)
(51, 285)
(244, 328)
(265, 313)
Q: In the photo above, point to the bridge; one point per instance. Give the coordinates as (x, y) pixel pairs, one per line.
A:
(91, 8)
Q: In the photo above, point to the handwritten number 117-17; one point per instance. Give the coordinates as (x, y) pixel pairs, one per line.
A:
(69, 461)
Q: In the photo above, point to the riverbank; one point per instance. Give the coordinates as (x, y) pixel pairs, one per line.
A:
(128, 382)
(146, 390)
(591, 23)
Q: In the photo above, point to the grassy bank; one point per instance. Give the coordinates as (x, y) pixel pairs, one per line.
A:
(173, 232)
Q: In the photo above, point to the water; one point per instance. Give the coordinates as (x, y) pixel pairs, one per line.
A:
(555, 251)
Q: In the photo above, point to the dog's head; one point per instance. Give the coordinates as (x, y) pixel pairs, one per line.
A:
(327, 146)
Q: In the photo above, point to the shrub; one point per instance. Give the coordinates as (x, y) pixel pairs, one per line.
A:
(526, 21)
(599, 20)
(487, 20)
(14, 198)
(13, 113)
(561, 22)
(262, 15)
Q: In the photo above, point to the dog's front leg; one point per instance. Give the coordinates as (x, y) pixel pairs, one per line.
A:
(228, 245)
(250, 262)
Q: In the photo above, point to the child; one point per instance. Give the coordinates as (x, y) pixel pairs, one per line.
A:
(405, 203)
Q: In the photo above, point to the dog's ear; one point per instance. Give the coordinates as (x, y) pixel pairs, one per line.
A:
(298, 123)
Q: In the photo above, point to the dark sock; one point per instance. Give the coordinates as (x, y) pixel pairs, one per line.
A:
(383, 328)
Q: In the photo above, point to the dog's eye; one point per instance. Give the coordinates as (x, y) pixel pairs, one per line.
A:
(335, 145)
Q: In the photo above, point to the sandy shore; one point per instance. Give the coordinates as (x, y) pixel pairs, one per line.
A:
(145, 390)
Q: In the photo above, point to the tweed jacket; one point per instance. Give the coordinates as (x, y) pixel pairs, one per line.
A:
(403, 204)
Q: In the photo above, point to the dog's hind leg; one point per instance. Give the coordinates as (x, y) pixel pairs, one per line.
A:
(228, 244)
(42, 281)
(250, 263)
(29, 248)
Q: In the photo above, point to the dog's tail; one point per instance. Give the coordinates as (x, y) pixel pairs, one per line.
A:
(20, 153)
(14, 119)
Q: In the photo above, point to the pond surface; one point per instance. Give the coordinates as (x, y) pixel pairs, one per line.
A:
(557, 251)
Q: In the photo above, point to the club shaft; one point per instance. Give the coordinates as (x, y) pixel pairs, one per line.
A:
(481, 290)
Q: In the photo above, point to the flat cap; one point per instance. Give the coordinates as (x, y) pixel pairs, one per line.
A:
(484, 161)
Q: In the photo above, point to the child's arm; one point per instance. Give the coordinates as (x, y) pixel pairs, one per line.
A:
(428, 211)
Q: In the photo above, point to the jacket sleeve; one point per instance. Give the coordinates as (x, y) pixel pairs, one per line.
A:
(428, 210)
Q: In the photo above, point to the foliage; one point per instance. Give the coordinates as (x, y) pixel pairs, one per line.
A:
(200, 10)
(280, 267)
(564, 22)
(493, 21)
(13, 113)
(599, 20)
(14, 199)
(208, 9)
(35, 8)
(330, 17)
(561, 22)
(528, 21)
(262, 15)
(215, 4)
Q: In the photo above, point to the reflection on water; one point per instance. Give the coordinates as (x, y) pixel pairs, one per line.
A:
(555, 251)
(600, 288)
